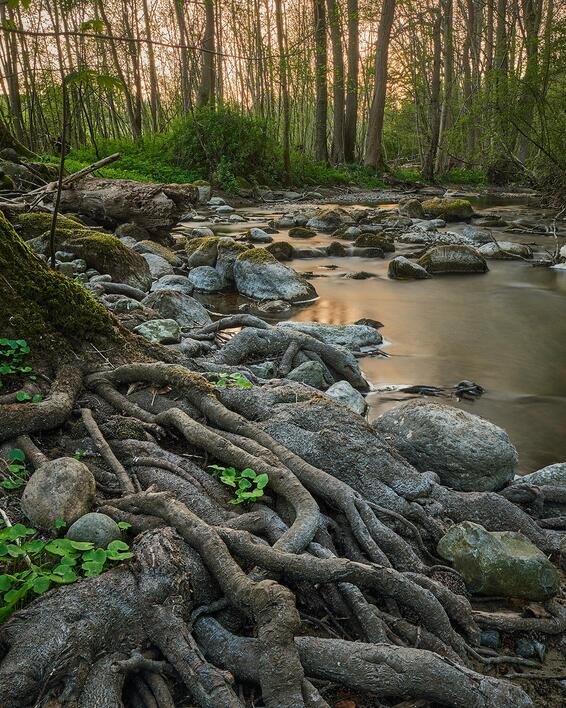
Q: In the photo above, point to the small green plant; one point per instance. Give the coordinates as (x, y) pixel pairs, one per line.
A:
(12, 355)
(79, 454)
(222, 380)
(124, 525)
(31, 566)
(248, 484)
(15, 471)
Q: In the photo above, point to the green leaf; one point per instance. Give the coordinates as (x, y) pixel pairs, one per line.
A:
(22, 396)
(118, 546)
(82, 545)
(36, 398)
(118, 555)
(34, 547)
(63, 577)
(41, 585)
(60, 523)
(124, 525)
(92, 568)
(248, 472)
(16, 455)
(98, 555)
(261, 481)
(244, 484)
(228, 481)
(6, 582)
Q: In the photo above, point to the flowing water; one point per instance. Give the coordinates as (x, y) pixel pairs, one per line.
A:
(505, 330)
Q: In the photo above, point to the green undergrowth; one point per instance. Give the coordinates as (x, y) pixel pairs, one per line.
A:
(14, 369)
(31, 565)
(247, 484)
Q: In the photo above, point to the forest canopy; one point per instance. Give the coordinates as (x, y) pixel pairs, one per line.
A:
(272, 91)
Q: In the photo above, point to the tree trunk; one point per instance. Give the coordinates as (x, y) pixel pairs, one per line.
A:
(351, 121)
(321, 73)
(284, 88)
(207, 90)
(434, 111)
(338, 95)
(374, 150)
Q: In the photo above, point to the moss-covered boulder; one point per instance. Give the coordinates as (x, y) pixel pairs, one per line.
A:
(449, 209)
(228, 250)
(500, 563)
(202, 251)
(36, 301)
(301, 232)
(453, 259)
(35, 223)
(375, 241)
(402, 268)
(411, 208)
(281, 250)
(336, 250)
(259, 275)
(158, 249)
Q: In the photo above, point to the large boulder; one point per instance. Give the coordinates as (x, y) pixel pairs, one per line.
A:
(173, 282)
(505, 250)
(202, 251)
(178, 306)
(353, 336)
(59, 489)
(331, 437)
(281, 250)
(228, 250)
(157, 249)
(158, 266)
(411, 208)
(402, 268)
(34, 223)
(206, 279)
(301, 232)
(449, 209)
(369, 240)
(260, 276)
(467, 452)
(256, 235)
(453, 259)
(553, 475)
(329, 220)
(499, 563)
(427, 234)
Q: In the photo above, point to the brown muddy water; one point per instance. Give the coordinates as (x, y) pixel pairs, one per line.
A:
(505, 330)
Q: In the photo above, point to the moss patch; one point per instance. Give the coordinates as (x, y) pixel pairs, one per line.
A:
(108, 254)
(194, 244)
(375, 241)
(35, 223)
(37, 301)
(449, 209)
(281, 250)
(257, 255)
(301, 232)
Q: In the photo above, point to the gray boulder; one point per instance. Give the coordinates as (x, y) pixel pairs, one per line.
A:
(202, 251)
(402, 268)
(477, 236)
(202, 232)
(260, 276)
(329, 220)
(158, 250)
(158, 266)
(173, 282)
(165, 331)
(59, 489)
(411, 208)
(499, 562)
(227, 252)
(468, 453)
(178, 306)
(95, 528)
(554, 475)
(505, 250)
(453, 259)
(353, 337)
(310, 373)
(206, 279)
(256, 235)
(345, 393)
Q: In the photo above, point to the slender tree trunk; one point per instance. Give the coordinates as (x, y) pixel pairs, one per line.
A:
(374, 149)
(153, 81)
(430, 157)
(207, 89)
(284, 84)
(321, 73)
(338, 98)
(351, 121)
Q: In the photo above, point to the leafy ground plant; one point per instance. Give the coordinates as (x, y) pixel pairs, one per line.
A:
(13, 471)
(248, 484)
(222, 380)
(12, 363)
(30, 566)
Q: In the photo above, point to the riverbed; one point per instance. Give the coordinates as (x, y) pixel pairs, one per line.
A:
(505, 330)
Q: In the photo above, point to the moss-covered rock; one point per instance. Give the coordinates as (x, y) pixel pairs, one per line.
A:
(453, 259)
(411, 208)
(449, 209)
(202, 251)
(336, 250)
(259, 275)
(301, 232)
(281, 250)
(37, 301)
(499, 562)
(228, 251)
(158, 249)
(402, 268)
(35, 223)
(368, 240)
